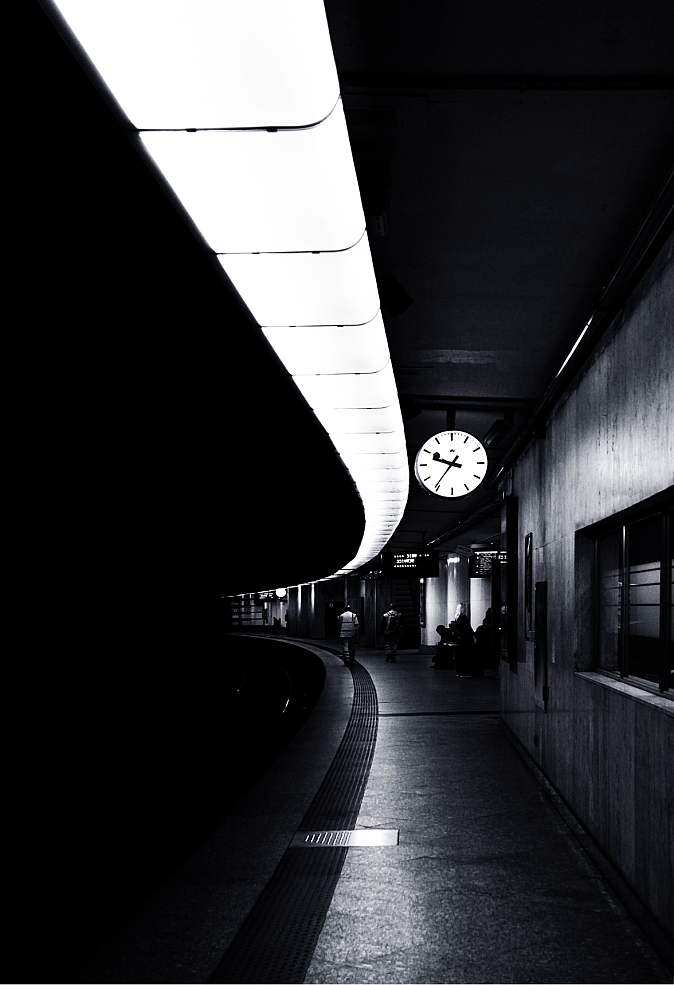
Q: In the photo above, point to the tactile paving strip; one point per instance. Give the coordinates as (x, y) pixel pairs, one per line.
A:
(276, 941)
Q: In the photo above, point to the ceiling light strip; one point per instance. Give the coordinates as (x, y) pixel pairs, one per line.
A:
(239, 107)
(325, 289)
(253, 192)
(204, 64)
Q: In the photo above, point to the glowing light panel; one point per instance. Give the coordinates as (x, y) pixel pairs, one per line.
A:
(321, 349)
(254, 191)
(336, 288)
(280, 206)
(173, 64)
(362, 390)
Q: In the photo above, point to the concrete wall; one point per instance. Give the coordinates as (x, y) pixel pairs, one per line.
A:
(607, 747)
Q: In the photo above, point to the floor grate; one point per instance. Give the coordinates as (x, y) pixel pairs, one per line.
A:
(361, 838)
(277, 939)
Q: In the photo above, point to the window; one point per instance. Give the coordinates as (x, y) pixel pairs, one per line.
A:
(634, 574)
(644, 585)
(609, 557)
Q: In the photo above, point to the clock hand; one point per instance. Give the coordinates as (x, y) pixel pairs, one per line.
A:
(449, 465)
(437, 458)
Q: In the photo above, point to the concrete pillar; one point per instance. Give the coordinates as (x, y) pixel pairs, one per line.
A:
(328, 605)
(435, 607)
(458, 588)
(368, 633)
(306, 612)
(293, 609)
(278, 608)
(480, 600)
(444, 594)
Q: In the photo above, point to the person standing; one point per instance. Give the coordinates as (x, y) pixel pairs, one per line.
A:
(347, 622)
(391, 623)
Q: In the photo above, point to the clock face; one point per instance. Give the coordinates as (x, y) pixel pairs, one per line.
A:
(451, 464)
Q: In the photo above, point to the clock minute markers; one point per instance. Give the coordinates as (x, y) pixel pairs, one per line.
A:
(436, 483)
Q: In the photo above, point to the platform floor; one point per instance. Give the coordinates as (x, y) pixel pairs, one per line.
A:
(489, 882)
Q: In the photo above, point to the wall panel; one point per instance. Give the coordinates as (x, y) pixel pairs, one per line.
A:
(608, 445)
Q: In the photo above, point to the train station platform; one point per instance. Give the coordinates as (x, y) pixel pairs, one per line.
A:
(400, 836)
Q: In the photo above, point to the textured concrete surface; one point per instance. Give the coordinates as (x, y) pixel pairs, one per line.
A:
(487, 883)
(609, 445)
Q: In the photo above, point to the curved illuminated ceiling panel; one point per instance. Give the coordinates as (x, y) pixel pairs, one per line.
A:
(210, 64)
(237, 102)
(255, 191)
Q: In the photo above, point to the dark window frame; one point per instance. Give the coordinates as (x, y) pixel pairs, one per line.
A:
(529, 633)
(662, 507)
(509, 584)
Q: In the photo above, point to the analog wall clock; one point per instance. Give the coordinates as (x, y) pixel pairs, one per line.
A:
(451, 464)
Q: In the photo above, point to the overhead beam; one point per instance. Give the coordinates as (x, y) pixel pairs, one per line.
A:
(421, 83)
(447, 402)
(488, 509)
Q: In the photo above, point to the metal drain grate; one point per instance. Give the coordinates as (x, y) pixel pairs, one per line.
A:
(362, 838)
(277, 939)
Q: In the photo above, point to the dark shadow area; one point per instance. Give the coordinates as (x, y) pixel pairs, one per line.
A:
(146, 788)
(163, 458)
(170, 443)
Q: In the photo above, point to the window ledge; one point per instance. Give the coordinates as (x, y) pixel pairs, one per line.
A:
(629, 690)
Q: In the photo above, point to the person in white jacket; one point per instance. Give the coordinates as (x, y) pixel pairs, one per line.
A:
(347, 622)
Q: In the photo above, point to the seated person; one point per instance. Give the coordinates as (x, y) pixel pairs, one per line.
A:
(486, 644)
(444, 652)
(466, 662)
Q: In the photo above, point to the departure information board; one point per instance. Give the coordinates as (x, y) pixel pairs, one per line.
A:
(480, 564)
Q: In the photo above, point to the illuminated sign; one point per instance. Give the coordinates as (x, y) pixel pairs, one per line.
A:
(405, 561)
(423, 563)
(480, 565)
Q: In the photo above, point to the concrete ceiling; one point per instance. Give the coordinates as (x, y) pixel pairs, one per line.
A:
(507, 156)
